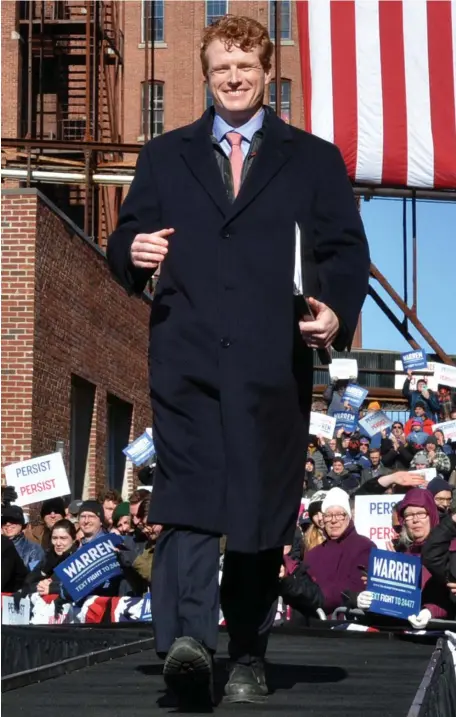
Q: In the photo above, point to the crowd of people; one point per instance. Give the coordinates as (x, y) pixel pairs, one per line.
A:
(326, 567)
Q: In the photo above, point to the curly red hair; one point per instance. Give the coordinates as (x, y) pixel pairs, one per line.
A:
(241, 31)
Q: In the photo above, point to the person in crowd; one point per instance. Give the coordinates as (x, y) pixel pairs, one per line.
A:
(136, 559)
(447, 403)
(314, 535)
(314, 451)
(442, 492)
(14, 571)
(437, 458)
(333, 447)
(51, 511)
(91, 520)
(422, 396)
(442, 443)
(419, 421)
(394, 450)
(43, 579)
(418, 516)
(121, 519)
(13, 524)
(332, 572)
(439, 553)
(420, 461)
(73, 511)
(109, 499)
(364, 446)
(333, 394)
(135, 499)
(377, 468)
(354, 457)
(340, 477)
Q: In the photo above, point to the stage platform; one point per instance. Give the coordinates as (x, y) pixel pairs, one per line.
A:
(353, 674)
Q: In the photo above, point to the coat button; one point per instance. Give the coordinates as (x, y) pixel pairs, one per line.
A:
(225, 343)
(226, 235)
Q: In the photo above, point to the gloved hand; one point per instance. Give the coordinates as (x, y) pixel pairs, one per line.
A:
(420, 621)
(364, 600)
(9, 495)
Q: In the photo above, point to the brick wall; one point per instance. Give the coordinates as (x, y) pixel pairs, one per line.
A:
(10, 71)
(63, 314)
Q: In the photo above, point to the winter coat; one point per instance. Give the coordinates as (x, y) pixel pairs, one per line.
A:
(346, 480)
(319, 461)
(432, 405)
(337, 566)
(434, 596)
(31, 553)
(428, 426)
(378, 472)
(439, 554)
(14, 571)
(396, 460)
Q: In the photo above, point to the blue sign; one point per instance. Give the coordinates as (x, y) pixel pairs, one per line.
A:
(92, 565)
(395, 580)
(141, 450)
(354, 395)
(346, 420)
(146, 614)
(413, 360)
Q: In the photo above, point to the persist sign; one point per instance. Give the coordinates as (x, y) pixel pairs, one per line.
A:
(374, 517)
(394, 579)
(92, 565)
(38, 479)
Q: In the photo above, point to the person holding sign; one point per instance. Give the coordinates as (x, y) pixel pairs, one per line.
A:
(215, 205)
(418, 515)
(422, 395)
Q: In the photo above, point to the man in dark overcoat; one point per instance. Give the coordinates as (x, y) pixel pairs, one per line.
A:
(216, 205)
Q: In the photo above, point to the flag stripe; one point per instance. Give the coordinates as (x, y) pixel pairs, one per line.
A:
(369, 92)
(393, 89)
(345, 105)
(419, 132)
(302, 10)
(320, 66)
(441, 85)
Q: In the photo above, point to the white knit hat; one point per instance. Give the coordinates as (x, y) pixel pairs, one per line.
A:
(336, 497)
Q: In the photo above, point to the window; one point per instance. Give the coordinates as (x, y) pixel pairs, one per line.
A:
(153, 9)
(158, 113)
(285, 109)
(82, 405)
(215, 9)
(285, 19)
(208, 100)
(120, 415)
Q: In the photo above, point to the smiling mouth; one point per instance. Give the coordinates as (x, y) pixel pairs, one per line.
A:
(235, 93)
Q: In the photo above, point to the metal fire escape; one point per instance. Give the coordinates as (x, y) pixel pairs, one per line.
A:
(72, 97)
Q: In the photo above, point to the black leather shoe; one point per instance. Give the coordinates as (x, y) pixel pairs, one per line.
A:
(246, 683)
(188, 672)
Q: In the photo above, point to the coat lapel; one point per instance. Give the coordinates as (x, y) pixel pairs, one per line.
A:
(198, 154)
(275, 151)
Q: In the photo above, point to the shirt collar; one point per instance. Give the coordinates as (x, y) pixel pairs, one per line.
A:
(247, 130)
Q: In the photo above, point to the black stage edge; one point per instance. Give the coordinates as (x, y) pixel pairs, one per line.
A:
(350, 674)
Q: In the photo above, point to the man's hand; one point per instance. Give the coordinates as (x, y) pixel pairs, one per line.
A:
(149, 250)
(452, 588)
(404, 479)
(410, 373)
(319, 333)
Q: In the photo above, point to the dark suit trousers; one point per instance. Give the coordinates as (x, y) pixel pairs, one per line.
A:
(185, 593)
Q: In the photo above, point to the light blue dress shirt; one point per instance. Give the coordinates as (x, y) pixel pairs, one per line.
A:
(247, 130)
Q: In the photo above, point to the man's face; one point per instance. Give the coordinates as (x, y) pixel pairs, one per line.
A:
(429, 447)
(333, 444)
(419, 411)
(134, 513)
(236, 80)
(51, 518)
(309, 466)
(124, 525)
(89, 523)
(10, 530)
(443, 499)
(345, 442)
(364, 448)
(109, 507)
(421, 386)
(374, 458)
(338, 467)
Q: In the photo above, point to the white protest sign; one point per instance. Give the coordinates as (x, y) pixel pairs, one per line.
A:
(427, 473)
(11, 616)
(343, 368)
(373, 517)
(445, 375)
(38, 479)
(448, 429)
(374, 422)
(321, 425)
(423, 375)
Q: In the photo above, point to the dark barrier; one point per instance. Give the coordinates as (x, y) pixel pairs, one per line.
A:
(29, 647)
(436, 696)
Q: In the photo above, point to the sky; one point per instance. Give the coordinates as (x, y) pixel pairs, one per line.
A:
(436, 254)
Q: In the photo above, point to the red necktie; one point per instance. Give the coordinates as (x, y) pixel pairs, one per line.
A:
(236, 159)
